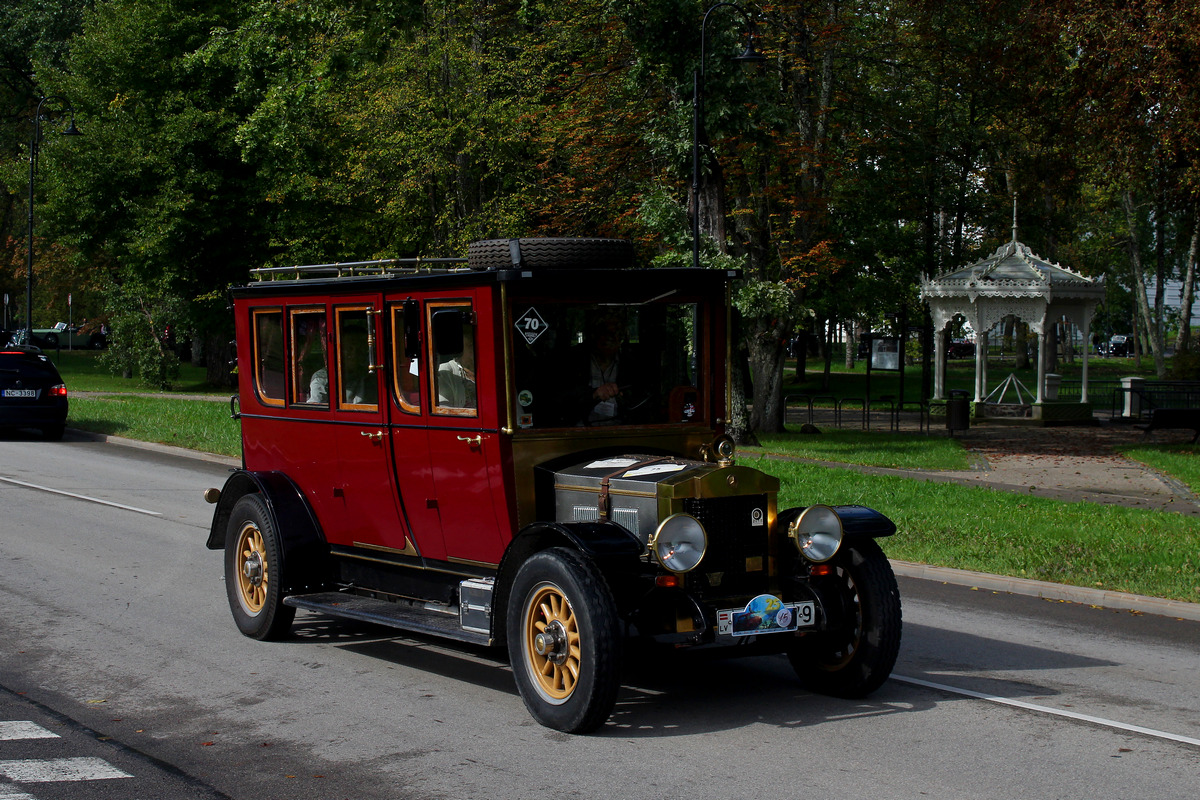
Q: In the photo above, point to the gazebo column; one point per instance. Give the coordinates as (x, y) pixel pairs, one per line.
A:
(1087, 338)
(939, 365)
(980, 361)
(987, 343)
(1041, 365)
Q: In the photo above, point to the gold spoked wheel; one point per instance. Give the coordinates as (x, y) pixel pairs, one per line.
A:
(552, 642)
(252, 568)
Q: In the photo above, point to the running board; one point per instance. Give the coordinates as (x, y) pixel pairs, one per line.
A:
(384, 612)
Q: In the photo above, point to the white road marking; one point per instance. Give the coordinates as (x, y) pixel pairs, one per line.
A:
(34, 770)
(1108, 723)
(16, 482)
(9, 792)
(12, 730)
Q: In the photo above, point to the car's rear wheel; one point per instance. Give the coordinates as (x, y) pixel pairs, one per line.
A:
(563, 640)
(253, 568)
(855, 658)
(53, 433)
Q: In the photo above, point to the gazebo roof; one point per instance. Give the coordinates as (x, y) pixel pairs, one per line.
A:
(1013, 271)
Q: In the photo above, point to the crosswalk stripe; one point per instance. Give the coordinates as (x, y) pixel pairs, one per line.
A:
(11, 730)
(32, 770)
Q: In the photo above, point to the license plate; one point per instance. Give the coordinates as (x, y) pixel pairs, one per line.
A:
(766, 614)
(20, 392)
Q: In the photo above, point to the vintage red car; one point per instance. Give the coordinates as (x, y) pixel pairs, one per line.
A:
(525, 448)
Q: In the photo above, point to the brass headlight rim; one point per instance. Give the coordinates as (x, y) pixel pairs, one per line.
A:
(794, 531)
(652, 544)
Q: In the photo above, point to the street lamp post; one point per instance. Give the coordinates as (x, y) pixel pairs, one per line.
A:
(35, 139)
(749, 55)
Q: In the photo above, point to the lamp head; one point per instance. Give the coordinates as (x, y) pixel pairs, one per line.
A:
(750, 55)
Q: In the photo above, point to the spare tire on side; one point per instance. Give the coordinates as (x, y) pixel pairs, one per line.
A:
(539, 253)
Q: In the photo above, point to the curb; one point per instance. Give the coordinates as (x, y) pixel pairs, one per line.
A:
(168, 449)
(1098, 598)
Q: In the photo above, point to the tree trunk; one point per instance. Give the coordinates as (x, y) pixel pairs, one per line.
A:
(1184, 341)
(1021, 360)
(766, 347)
(1152, 329)
(218, 357)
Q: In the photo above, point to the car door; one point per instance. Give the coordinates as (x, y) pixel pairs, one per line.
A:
(361, 490)
(463, 429)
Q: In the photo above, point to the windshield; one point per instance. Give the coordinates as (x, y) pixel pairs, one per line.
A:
(581, 364)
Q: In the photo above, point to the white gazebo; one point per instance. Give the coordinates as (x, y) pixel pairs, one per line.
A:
(1011, 281)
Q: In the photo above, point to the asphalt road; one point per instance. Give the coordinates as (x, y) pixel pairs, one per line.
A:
(116, 640)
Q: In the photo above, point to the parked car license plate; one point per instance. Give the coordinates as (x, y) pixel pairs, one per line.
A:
(766, 614)
(20, 392)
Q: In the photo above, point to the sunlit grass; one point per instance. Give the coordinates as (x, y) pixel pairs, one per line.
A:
(1082, 544)
(194, 424)
(897, 450)
(1177, 460)
(84, 371)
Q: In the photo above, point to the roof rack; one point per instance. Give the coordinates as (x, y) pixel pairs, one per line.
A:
(356, 269)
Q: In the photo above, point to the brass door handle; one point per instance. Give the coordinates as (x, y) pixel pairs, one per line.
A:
(377, 436)
(472, 440)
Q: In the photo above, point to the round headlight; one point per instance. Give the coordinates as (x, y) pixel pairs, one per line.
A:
(679, 543)
(817, 533)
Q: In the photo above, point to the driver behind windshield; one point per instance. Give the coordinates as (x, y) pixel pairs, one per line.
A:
(609, 383)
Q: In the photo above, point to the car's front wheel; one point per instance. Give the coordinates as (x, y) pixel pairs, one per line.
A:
(856, 657)
(563, 639)
(253, 568)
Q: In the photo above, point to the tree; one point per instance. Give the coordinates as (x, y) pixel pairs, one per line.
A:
(157, 194)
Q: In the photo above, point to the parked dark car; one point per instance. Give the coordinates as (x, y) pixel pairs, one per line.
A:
(91, 336)
(1118, 347)
(32, 393)
(961, 348)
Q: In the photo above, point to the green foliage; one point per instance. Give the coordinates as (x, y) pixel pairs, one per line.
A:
(767, 299)
(879, 142)
(1185, 366)
(140, 320)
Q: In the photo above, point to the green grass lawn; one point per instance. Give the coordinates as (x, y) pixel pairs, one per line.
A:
(897, 450)
(1082, 544)
(84, 371)
(194, 424)
(1177, 460)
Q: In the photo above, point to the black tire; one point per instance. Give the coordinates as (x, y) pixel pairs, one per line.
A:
(856, 659)
(564, 642)
(53, 433)
(577, 253)
(253, 568)
(51, 340)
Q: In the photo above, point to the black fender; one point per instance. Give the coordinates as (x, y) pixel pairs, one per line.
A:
(860, 521)
(857, 521)
(305, 553)
(613, 548)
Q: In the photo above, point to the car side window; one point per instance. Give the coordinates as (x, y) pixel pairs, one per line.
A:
(310, 368)
(453, 340)
(269, 361)
(358, 386)
(406, 354)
